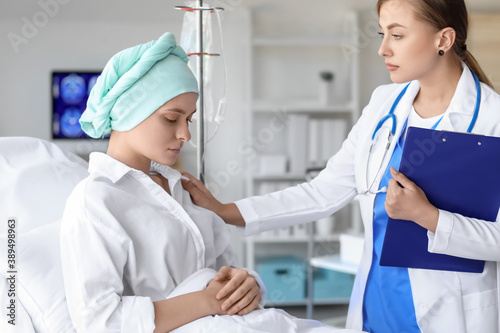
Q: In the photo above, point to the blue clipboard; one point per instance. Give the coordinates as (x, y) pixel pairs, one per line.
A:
(460, 173)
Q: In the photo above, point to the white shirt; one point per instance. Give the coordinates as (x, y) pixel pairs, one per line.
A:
(415, 120)
(126, 243)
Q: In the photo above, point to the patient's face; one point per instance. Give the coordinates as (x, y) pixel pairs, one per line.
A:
(161, 136)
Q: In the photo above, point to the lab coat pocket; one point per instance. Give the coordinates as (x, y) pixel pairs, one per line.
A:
(481, 311)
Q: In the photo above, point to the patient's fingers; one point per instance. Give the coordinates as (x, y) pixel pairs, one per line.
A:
(223, 273)
(247, 303)
(254, 305)
(236, 276)
(242, 296)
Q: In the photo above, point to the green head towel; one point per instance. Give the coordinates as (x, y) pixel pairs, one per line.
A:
(135, 83)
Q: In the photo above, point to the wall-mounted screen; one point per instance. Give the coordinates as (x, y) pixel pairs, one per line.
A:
(70, 91)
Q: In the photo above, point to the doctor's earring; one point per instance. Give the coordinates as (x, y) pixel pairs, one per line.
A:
(441, 53)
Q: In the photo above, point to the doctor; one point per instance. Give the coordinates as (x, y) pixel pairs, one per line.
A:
(435, 86)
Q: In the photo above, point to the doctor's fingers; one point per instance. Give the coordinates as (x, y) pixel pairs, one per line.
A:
(402, 180)
(200, 194)
(192, 182)
(394, 189)
(394, 199)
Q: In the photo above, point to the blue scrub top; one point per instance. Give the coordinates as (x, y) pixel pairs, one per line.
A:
(388, 302)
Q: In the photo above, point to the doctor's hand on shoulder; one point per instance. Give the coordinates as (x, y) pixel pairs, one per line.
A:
(406, 201)
(199, 193)
(202, 197)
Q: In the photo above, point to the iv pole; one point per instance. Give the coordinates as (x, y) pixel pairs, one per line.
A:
(201, 105)
(200, 128)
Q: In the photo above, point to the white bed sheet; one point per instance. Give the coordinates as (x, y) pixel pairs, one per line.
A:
(259, 321)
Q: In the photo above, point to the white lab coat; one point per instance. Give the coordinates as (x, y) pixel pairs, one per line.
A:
(444, 301)
(125, 243)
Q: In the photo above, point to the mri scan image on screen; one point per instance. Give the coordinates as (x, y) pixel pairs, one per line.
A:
(70, 91)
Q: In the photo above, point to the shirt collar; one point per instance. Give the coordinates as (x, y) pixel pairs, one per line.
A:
(115, 170)
(462, 105)
(172, 175)
(464, 99)
(108, 166)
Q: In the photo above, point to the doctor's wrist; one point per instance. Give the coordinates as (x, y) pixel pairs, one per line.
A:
(231, 214)
(429, 219)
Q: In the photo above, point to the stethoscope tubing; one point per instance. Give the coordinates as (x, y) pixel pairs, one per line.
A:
(478, 103)
(392, 116)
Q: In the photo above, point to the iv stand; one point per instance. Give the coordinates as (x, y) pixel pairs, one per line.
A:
(200, 128)
(201, 106)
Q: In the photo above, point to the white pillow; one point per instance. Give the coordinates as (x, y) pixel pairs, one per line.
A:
(40, 281)
(37, 178)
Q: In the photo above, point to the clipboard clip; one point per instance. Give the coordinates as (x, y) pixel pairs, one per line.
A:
(448, 131)
(444, 139)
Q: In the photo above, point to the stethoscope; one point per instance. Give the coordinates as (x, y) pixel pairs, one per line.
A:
(392, 116)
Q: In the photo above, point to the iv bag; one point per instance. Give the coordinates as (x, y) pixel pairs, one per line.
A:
(189, 42)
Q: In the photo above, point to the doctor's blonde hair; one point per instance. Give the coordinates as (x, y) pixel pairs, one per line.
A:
(448, 13)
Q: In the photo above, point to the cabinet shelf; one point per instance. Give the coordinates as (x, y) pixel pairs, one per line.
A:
(334, 262)
(293, 113)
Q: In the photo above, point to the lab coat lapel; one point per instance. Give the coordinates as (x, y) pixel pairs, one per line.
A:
(462, 105)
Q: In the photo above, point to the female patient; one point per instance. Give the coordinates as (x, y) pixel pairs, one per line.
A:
(130, 233)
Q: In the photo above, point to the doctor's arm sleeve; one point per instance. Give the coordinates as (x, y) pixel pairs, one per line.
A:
(465, 237)
(93, 259)
(327, 193)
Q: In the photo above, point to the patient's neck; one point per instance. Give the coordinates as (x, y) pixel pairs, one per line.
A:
(122, 151)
